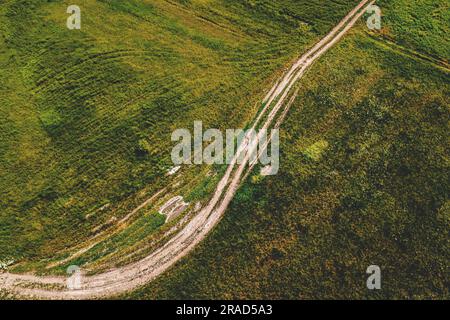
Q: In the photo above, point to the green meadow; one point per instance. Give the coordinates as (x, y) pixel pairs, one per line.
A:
(364, 179)
(86, 115)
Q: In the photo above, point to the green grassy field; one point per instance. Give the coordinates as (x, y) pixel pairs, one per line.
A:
(86, 115)
(364, 179)
(418, 25)
(86, 118)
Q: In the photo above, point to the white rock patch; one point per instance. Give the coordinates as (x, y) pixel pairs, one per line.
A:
(173, 207)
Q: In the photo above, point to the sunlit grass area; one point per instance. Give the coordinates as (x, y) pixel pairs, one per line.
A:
(87, 114)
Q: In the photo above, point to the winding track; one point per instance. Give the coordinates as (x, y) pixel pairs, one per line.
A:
(136, 274)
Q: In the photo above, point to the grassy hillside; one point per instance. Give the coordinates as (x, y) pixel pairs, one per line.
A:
(364, 179)
(86, 115)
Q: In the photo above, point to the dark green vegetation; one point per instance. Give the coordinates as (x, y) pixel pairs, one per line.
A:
(364, 179)
(86, 116)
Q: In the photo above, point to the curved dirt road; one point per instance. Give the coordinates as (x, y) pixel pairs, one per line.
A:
(136, 274)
